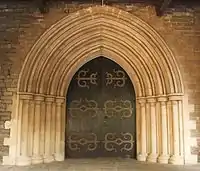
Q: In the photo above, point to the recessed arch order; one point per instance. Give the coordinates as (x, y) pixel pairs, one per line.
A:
(101, 31)
(70, 43)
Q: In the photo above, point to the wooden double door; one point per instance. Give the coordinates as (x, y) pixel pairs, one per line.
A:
(100, 112)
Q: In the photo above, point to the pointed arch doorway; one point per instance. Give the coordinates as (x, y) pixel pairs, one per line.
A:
(101, 115)
(163, 131)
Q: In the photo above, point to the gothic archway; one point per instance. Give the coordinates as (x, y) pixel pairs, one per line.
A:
(70, 43)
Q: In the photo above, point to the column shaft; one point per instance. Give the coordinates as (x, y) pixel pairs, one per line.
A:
(176, 158)
(63, 130)
(143, 154)
(164, 156)
(48, 155)
(53, 129)
(37, 158)
(138, 128)
(31, 128)
(181, 127)
(153, 154)
(59, 155)
(42, 128)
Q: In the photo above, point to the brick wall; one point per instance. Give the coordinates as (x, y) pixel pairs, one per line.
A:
(21, 25)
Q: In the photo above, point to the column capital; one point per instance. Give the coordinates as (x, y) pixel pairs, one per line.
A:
(60, 100)
(39, 97)
(175, 97)
(50, 99)
(26, 96)
(162, 98)
(151, 99)
(141, 100)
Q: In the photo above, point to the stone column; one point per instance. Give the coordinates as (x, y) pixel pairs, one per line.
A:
(42, 128)
(37, 158)
(180, 105)
(153, 154)
(31, 127)
(63, 128)
(138, 127)
(170, 131)
(24, 158)
(164, 156)
(53, 129)
(59, 154)
(143, 151)
(48, 156)
(176, 158)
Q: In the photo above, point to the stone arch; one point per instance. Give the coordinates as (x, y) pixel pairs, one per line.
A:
(73, 41)
(128, 34)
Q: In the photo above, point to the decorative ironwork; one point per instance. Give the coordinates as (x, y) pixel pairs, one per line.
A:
(124, 108)
(118, 78)
(89, 107)
(84, 79)
(111, 141)
(100, 114)
(75, 142)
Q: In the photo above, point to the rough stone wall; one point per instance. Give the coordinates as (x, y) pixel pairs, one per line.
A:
(21, 25)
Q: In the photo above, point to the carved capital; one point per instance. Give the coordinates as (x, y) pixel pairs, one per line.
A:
(60, 100)
(152, 101)
(25, 96)
(50, 99)
(141, 101)
(175, 97)
(162, 98)
(39, 98)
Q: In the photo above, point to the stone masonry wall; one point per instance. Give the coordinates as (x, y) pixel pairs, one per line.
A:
(21, 25)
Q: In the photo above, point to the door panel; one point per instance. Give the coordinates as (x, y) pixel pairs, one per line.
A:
(100, 112)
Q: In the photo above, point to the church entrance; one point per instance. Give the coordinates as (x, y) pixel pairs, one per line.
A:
(101, 112)
(99, 119)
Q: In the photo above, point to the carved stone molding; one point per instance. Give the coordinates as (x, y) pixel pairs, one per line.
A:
(49, 99)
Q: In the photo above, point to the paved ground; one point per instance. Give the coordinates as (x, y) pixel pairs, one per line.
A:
(101, 165)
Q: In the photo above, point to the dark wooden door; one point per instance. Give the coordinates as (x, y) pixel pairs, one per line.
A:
(100, 112)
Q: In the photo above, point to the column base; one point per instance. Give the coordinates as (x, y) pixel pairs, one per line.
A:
(37, 160)
(176, 160)
(59, 157)
(142, 157)
(152, 158)
(48, 159)
(163, 159)
(23, 161)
